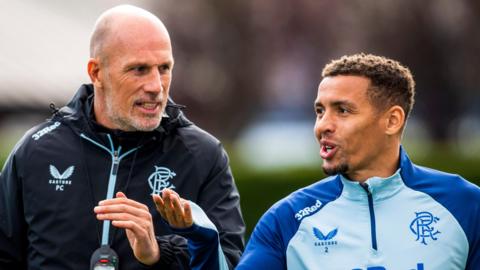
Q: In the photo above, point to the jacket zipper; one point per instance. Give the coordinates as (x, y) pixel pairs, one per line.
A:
(116, 158)
(373, 229)
(111, 186)
(113, 174)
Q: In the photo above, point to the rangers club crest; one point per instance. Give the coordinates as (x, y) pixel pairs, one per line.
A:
(423, 226)
(160, 179)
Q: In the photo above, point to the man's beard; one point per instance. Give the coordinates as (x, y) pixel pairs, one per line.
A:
(126, 123)
(340, 169)
(130, 124)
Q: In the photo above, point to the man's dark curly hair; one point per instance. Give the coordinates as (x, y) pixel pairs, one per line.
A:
(391, 83)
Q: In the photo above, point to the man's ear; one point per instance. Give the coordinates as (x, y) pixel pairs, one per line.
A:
(94, 72)
(394, 120)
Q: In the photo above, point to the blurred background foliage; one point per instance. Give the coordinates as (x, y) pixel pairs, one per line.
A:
(248, 72)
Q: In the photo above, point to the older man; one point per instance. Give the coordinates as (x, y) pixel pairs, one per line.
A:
(85, 178)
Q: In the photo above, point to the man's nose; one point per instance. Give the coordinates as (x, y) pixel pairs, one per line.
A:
(154, 82)
(324, 124)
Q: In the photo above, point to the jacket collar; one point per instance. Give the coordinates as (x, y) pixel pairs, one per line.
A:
(380, 188)
(80, 113)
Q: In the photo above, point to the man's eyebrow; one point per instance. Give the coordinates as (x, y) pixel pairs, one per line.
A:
(335, 103)
(338, 103)
(168, 62)
(135, 64)
(139, 63)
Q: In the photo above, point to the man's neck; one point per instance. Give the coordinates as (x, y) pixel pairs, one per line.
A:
(384, 167)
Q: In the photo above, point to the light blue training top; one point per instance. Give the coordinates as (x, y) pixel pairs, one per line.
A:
(416, 219)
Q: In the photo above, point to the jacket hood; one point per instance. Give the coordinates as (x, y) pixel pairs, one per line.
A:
(79, 112)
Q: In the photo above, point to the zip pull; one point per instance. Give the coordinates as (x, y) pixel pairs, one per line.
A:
(365, 187)
(116, 163)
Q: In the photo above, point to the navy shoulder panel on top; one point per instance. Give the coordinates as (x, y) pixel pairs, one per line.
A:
(269, 241)
(289, 212)
(459, 196)
(308, 200)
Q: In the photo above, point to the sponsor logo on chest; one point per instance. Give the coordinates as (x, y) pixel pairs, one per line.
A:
(325, 240)
(60, 180)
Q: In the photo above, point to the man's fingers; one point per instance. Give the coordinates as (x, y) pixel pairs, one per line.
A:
(137, 221)
(158, 201)
(143, 220)
(130, 225)
(170, 209)
(140, 233)
(187, 213)
(166, 198)
(121, 209)
(159, 204)
(122, 199)
(166, 206)
(171, 200)
(120, 195)
(166, 193)
(177, 210)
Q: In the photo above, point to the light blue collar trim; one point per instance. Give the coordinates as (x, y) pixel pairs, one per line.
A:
(381, 188)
